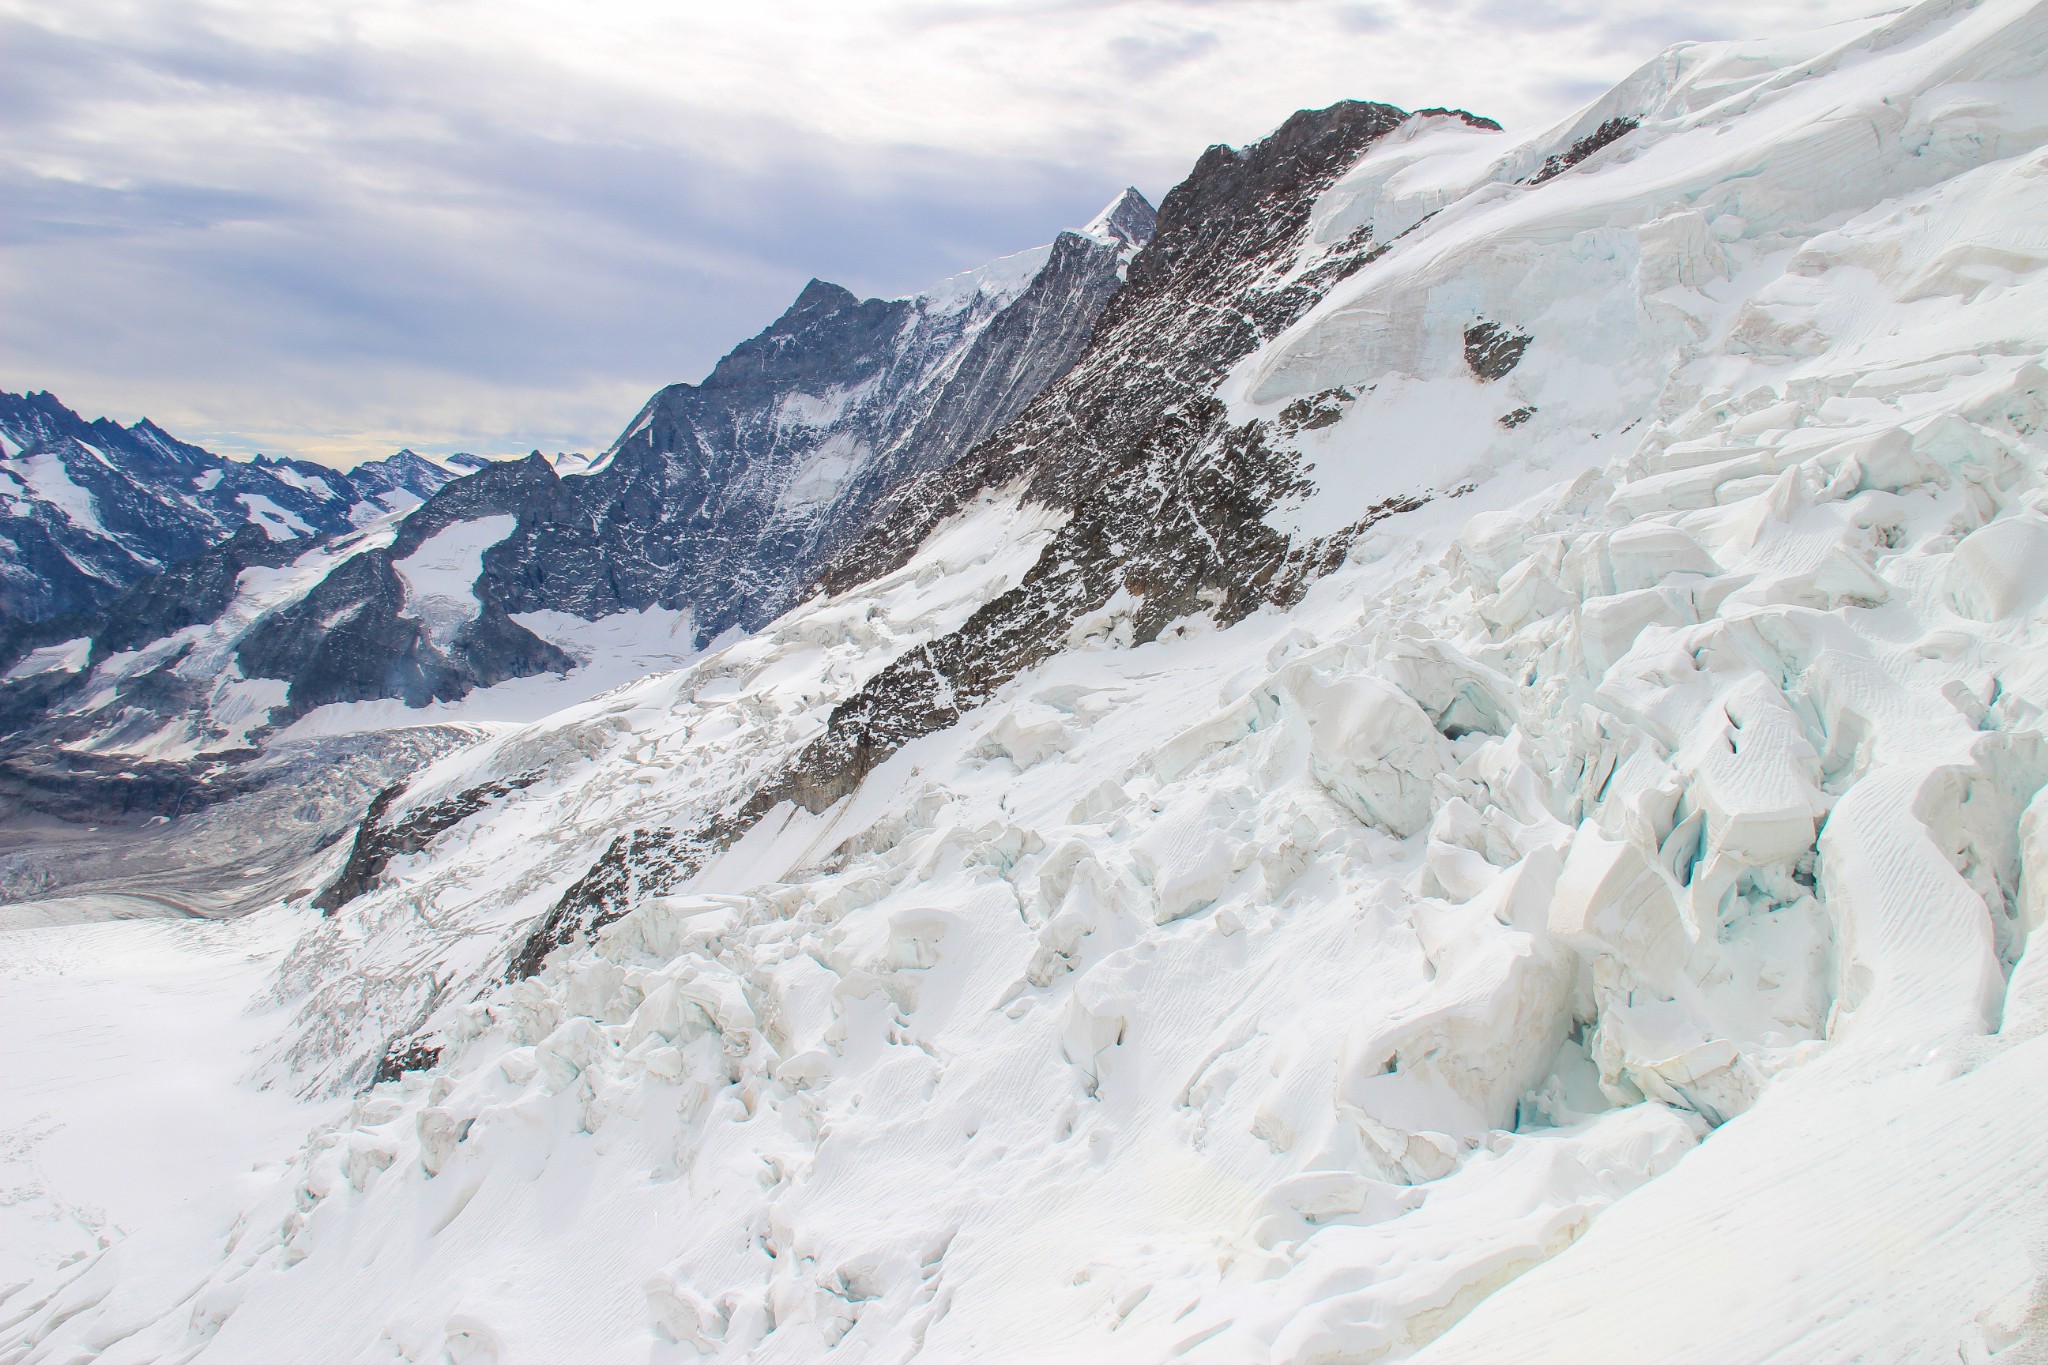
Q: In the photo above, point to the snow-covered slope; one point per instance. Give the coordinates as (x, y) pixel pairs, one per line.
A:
(1478, 801)
(88, 508)
(112, 1008)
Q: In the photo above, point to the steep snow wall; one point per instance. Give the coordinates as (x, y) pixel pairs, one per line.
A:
(1589, 917)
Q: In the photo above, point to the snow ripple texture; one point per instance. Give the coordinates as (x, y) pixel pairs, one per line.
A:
(1598, 922)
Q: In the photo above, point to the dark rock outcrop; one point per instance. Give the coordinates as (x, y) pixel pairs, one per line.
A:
(1608, 133)
(1492, 350)
(378, 842)
(403, 1055)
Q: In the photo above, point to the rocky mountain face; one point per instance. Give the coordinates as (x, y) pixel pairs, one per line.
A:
(1168, 496)
(719, 502)
(375, 627)
(1165, 497)
(88, 508)
(726, 497)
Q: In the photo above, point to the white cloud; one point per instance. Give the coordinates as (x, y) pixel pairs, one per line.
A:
(334, 228)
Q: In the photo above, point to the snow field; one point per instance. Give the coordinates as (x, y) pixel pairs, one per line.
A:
(440, 576)
(124, 1110)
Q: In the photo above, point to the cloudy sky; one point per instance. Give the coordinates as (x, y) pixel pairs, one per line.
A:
(331, 229)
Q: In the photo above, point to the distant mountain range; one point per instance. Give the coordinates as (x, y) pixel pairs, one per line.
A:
(89, 508)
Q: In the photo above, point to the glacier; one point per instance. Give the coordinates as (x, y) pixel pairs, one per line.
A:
(1539, 859)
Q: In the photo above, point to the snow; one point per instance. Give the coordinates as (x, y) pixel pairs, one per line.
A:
(1887, 1220)
(124, 1106)
(49, 481)
(572, 462)
(241, 706)
(68, 657)
(278, 523)
(1596, 922)
(440, 575)
(292, 478)
(824, 473)
(1110, 226)
(208, 481)
(1690, 234)
(990, 286)
(396, 500)
(995, 285)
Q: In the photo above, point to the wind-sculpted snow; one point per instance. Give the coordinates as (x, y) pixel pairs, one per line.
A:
(1590, 918)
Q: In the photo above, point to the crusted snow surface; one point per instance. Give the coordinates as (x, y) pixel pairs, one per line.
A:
(1598, 922)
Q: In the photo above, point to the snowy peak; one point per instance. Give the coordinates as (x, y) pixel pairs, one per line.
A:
(30, 419)
(712, 510)
(751, 479)
(405, 473)
(1127, 220)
